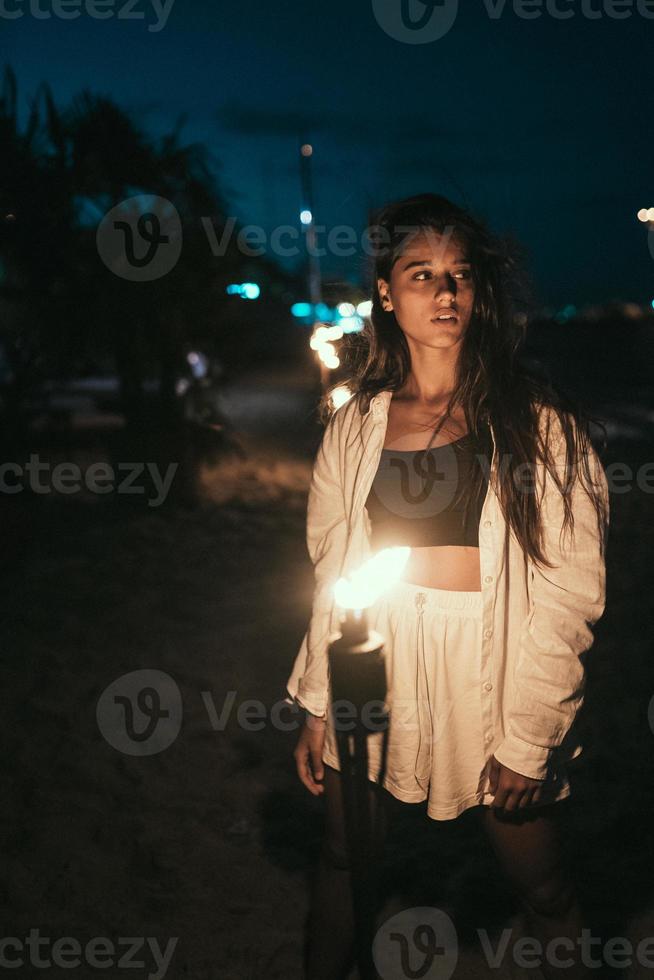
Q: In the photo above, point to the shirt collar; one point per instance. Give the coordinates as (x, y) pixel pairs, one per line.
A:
(379, 405)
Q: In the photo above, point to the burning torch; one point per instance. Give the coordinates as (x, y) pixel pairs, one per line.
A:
(358, 681)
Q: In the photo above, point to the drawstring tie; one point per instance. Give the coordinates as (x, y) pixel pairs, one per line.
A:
(422, 679)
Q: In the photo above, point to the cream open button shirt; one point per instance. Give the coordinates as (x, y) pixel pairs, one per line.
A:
(536, 623)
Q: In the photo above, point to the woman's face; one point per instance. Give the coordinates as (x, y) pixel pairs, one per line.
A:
(431, 277)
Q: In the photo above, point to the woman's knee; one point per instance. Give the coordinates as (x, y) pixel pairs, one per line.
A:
(551, 899)
(533, 857)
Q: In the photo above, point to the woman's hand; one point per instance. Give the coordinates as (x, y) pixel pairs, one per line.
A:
(308, 754)
(512, 791)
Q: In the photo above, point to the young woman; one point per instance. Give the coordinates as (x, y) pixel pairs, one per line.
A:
(448, 445)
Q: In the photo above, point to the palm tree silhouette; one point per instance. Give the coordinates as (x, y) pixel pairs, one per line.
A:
(65, 167)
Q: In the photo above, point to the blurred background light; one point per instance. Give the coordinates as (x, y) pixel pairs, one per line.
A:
(246, 290)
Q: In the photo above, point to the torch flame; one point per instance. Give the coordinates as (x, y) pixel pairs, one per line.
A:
(374, 577)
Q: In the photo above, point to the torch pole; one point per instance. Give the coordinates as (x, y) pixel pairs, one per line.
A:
(358, 680)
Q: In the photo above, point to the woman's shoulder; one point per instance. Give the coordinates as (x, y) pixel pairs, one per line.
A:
(339, 422)
(550, 418)
(563, 433)
(351, 412)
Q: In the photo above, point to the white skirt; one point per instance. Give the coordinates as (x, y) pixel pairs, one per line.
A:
(435, 749)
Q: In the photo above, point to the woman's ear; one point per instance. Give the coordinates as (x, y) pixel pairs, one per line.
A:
(384, 295)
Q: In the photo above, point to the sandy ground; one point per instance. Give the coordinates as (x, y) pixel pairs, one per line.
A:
(213, 840)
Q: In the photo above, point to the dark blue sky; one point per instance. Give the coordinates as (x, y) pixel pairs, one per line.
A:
(543, 125)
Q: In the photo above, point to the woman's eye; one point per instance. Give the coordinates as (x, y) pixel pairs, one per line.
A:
(463, 274)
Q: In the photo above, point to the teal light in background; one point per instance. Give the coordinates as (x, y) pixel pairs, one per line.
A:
(246, 290)
(350, 324)
(566, 313)
(324, 312)
(311, 314)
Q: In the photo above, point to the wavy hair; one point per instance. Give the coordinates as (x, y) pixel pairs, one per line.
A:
(492, 385)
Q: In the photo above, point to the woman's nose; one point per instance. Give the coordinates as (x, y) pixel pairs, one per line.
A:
(445, 286)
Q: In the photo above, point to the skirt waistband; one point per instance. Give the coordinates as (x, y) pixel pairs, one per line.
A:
(471, 602)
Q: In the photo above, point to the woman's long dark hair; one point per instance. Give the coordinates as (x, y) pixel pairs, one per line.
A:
(491, 383)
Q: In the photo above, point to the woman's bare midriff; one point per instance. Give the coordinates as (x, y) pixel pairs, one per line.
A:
(455, 568)
(447, 567)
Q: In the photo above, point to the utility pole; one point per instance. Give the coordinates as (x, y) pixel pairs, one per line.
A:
(307, 217)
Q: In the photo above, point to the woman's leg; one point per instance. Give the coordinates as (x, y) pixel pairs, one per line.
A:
(330, 928)
(530, 848)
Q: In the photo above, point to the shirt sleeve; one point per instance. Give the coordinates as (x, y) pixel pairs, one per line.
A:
(326, 537)
(566, 601)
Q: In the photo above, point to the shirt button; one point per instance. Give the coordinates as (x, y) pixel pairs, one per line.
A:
(487, 523)
(488, 686)
(489, 736)
(488, 578)
(488, 633)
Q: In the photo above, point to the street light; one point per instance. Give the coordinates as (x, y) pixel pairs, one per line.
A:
(307, 218)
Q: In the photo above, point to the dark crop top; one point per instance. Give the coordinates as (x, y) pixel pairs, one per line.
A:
(418, 497)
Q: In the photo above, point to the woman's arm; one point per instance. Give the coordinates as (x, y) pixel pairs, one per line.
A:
(567, 601)
(326, 536)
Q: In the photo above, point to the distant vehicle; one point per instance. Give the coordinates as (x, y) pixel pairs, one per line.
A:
(202, 409)
(93, 398)
(199, 388)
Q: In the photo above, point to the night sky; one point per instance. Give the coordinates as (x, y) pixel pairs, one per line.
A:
(541, 125)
